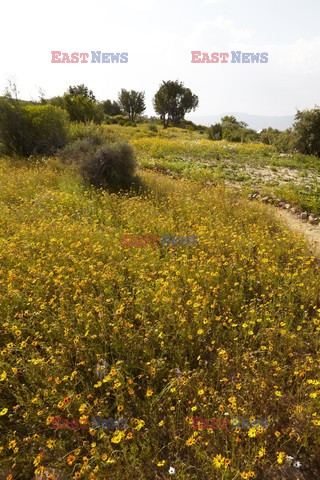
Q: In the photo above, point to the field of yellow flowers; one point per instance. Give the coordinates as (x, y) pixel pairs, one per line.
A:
(251, 167)
(229, 328)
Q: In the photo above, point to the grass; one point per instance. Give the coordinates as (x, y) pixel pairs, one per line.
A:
(228, 328)
(253, 167)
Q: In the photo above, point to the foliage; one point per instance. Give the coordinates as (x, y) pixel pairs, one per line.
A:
(172, 101)
(237, 131)
(81, 90)
(268, 135)
(83, 109)
(110, 166)
(285, 141)
(111, 108)
(132, 103)
(215, 132)
(32, 129)
(307, 129)
(101, 160)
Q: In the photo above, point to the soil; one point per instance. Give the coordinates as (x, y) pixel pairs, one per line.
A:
(310, 232)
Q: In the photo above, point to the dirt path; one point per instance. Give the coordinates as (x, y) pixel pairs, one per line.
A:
(310, 232)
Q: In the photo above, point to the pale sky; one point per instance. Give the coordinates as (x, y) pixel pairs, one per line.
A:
(159, 36)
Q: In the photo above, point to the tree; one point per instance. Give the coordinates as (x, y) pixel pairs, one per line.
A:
(82, 109)
(81, 90)
(233, 130)
(307, 131)
(132, 103)
(173, 101)
(111, 108)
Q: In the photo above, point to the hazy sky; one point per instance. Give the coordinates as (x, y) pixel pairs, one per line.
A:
(159, 36)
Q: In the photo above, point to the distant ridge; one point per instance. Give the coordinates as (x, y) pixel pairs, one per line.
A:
(256, 122)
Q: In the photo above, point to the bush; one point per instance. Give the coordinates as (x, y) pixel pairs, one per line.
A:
(32, 129)
(215, 132)
(286, 141)
(83, 109)
(110, 166)
(101, 160)
(77, 151)
(307, 129)
(268, 135)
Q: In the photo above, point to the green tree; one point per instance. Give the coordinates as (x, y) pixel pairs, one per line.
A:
(132, 103)
(83, 109)
(81, 90)
(111, 108)
(172, 101)
(307, 131)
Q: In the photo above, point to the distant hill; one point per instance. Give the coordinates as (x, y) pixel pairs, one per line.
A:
(254, 121)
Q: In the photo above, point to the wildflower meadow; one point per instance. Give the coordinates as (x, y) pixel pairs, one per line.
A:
(155, 335)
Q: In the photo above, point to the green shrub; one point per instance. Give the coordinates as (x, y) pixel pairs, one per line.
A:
(32, 129)
(77, 151)
(101, 160)
(110, 166)
(215, 132)
(307, 130)
(285, 141)
(83, 109)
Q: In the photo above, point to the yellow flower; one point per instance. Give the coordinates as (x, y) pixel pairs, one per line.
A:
(3, 376)
(117, 437)
(190, 441)
(252, 432)
(201, 392)
(161, 423)
(160, 464)
(12, 444)
(49, 420)
(50, 443)
(70, 459)
(218, 461)
(149, 392)
(3, 412)
(280, 457)
(262, 452)
(37, 460)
